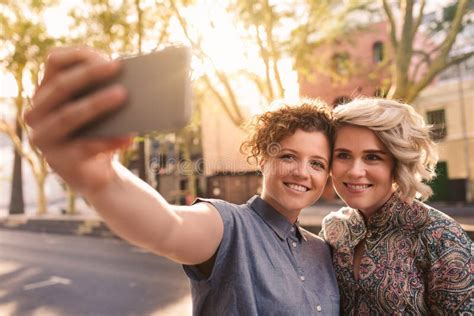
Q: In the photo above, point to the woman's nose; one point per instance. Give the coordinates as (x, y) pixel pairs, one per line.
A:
(357, 169)
(300, 169)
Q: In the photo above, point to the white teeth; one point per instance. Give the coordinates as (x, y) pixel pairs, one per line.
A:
(358, 186)
(297, 187)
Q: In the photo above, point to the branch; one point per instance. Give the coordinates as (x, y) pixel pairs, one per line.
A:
(219, 74)
(164, 32)
(454, 28)
(407, 29)
(425, 59)
(258, 82)
(180, 19)
(441, 62)
(419, 18)
(264, 54)
(436, 68)
(393, 26)
(139, 24)
(10, 131)
(271, 44)
(459, 59)
(236, 120)
(27, 132)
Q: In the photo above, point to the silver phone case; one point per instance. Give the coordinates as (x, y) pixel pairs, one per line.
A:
(159, 95)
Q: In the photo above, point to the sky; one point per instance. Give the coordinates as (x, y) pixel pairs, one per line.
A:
(222, 44)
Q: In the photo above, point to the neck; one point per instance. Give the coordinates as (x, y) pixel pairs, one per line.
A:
(368, 213)
(290, 215)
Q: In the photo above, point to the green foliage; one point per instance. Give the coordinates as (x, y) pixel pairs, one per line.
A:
(25, 38)
(26, 43)
(120, 28)
(294, 29)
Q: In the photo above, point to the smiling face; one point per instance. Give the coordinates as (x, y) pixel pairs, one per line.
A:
(295, 177)
(362, 169)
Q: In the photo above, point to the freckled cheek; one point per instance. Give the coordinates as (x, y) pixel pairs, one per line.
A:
(321, 180)
(283, 168)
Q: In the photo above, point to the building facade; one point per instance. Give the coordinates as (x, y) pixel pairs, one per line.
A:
(447, 103)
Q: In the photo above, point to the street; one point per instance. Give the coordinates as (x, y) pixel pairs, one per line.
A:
(48, 274)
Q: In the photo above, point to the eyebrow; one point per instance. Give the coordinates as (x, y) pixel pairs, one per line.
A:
(369, 151)
(295, 152)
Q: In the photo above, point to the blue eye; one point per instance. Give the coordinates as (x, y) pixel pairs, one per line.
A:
(372, 157)
(287, 157)
(342, 155)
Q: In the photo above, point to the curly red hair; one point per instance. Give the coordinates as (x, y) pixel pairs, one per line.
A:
(272, 127)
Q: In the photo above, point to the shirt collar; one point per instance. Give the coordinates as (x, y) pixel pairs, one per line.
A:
(383, 216)
(277, 222)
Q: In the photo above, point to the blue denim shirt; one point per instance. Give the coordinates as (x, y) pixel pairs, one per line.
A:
(265, 266)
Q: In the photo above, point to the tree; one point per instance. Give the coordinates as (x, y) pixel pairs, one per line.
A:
(276, 32)
(124, 28)
(26, 43)
(414, 68)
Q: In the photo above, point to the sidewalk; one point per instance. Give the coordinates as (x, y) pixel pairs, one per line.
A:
(88, 223)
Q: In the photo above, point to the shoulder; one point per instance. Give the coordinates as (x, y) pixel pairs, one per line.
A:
(313, 238)
(233, 215)
(441, 235)
(340, 225)
(317, 246)
(344, 214)
(223, 207)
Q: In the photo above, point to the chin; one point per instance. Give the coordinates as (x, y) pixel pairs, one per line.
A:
(291, 205)
(352, 203)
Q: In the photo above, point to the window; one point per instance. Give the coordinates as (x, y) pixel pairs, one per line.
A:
(340, 63)
(438, 121)
(377, 52)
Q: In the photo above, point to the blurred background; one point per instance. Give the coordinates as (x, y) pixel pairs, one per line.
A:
(246, 55)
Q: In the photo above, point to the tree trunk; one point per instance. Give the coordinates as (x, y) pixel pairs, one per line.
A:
(42, 205)
(142, 160)
(71, 201)
(17, 205)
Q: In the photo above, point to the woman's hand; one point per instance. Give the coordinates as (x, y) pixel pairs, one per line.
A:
(85, 164)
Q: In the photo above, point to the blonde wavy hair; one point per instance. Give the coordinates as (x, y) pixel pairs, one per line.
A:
(406, 136)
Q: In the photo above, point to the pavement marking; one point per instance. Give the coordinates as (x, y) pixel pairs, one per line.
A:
(8, 308)
(53, 280)
(9, 266)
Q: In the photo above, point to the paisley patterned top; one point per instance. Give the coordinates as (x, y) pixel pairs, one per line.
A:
(416, 261)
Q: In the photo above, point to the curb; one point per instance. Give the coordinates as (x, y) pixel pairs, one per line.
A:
(96, 227)
(93, 227)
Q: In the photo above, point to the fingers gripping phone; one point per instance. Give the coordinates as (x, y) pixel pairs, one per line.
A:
(159, 95)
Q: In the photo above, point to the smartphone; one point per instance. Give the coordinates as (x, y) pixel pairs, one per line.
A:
(159, 95)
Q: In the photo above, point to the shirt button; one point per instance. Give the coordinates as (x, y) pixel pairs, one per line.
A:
(302, 278)
(292, 229)
(294, 244)
(318, 308)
